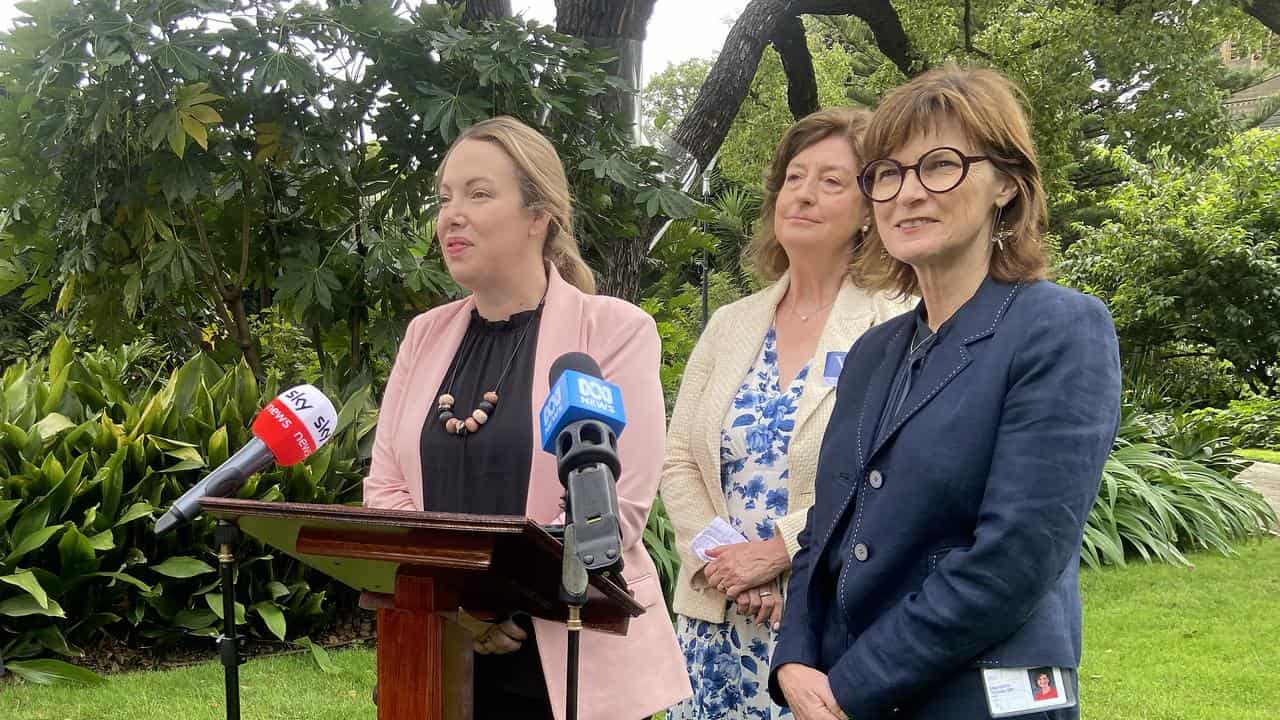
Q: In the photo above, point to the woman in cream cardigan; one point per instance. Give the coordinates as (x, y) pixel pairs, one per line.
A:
(755, 400)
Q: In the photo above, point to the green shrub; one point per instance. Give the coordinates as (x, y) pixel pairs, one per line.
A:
(1169, 487)
(90, 451)
(1251, 422)
(660, 541)
(1155, 383)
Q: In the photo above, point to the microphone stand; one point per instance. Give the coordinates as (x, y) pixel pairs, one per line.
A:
(226, 535)
(573, 591)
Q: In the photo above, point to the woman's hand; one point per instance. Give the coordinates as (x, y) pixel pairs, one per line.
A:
(762, 604)
(808, 693)
(500, 639)
(736, 568)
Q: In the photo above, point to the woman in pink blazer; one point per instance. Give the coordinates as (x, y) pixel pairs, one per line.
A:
(459, 416)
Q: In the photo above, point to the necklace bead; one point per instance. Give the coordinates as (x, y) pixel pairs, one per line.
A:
(463, 426)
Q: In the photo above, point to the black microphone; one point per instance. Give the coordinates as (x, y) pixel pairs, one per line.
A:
(580, 423)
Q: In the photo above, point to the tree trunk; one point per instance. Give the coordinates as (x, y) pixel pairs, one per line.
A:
(625, 259)
(233, 297)
(707, 123)
(483, 9)
(230, 296)
(618, 26)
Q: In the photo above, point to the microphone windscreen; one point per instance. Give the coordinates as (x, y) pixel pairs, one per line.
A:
(578, 361)
(296, 424)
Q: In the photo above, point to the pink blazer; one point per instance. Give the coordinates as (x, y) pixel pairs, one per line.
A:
(622, 678)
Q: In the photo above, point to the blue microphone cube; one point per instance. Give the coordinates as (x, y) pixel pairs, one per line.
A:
(577, 396)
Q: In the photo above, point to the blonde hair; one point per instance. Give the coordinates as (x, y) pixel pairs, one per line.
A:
(986, 105)
(764, 256)
(543, 186)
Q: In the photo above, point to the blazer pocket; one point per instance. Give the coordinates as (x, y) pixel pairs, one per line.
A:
(646, 591)
(937, 556)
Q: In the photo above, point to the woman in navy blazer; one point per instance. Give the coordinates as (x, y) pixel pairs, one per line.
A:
(968, 437)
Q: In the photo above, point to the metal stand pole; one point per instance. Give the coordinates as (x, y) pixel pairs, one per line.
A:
(571, 688)
(573, 590)
(226, 535)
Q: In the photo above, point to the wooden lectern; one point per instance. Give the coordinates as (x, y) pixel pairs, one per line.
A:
(417, 569)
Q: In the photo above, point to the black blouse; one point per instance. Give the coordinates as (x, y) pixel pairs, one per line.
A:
(485, 472)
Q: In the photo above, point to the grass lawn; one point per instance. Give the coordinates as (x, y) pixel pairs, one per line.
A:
(1161, 643)
(1267, 456)
(1167, 643)
(279, 688)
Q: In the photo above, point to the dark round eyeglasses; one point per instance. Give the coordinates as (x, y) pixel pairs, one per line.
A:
(940, 170)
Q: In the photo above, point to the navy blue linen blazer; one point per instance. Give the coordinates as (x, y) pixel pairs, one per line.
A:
(969, 512)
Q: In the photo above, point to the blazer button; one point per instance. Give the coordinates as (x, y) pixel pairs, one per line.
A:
(875, 479)
(860, 552)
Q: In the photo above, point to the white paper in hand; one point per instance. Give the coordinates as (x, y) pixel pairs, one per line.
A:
(716, 534)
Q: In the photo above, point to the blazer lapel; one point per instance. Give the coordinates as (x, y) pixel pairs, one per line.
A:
(750, 323)
(444, 343)
(560, 330)
(851, 315)
(879, 384)
(974, 321)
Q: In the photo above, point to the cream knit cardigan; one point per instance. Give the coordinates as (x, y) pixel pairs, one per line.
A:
(728, 347)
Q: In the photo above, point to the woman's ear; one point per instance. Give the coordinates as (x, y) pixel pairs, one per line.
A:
(1006, 191)
(538, 228)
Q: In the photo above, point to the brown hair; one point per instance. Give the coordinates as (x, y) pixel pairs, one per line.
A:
(543, 186)
(764, 256)
(986, 105)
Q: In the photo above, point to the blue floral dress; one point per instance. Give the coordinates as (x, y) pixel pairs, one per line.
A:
(729, 662)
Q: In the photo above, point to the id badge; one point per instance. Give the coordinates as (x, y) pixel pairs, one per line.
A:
(832, 367)
(1019, 691)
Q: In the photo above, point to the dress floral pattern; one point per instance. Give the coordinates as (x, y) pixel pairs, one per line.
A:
(729, 662)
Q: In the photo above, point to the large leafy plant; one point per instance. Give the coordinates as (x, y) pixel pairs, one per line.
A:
(181, 166)
(1169, 487)
(88, 457)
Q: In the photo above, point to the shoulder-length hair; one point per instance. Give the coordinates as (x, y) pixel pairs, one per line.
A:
(764, 256)
(986, 106)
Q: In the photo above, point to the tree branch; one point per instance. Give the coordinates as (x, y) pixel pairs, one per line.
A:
(968, 33)
(1266, 12)
(882, 18)
(802, 84)
(1207, 353)
(707, 123)
(231, 299)
(482, 9)
(244, 230)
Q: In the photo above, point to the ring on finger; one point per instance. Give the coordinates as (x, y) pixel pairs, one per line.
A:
(766, 593)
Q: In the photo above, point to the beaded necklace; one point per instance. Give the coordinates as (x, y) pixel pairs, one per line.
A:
(472, 423)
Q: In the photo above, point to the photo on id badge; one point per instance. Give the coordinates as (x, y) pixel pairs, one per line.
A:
(1022, 691)
(1043, 686)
